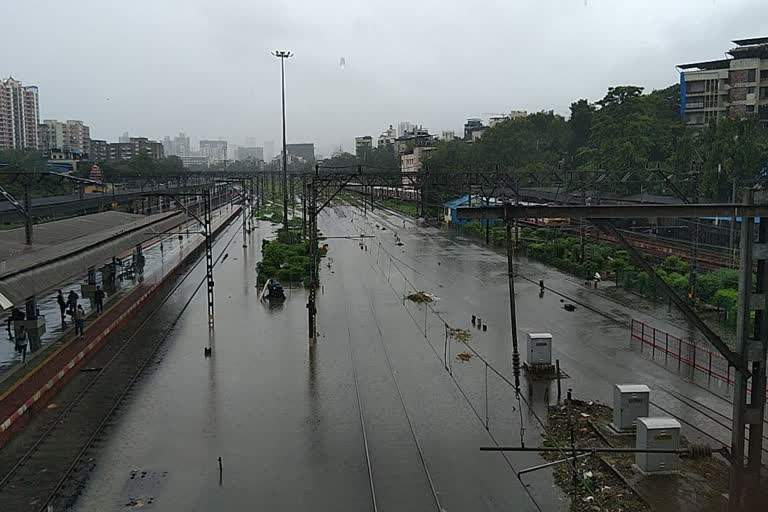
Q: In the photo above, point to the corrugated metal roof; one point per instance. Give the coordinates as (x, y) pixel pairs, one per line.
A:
(60, 231)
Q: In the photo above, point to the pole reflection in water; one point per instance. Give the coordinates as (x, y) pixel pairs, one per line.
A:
(210, 428)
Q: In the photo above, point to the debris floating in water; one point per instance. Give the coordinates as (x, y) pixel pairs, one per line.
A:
(421, 297)
(460, 334)
(464, 356)
(569, 307)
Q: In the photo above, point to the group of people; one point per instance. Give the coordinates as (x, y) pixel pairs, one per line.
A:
(69, 306)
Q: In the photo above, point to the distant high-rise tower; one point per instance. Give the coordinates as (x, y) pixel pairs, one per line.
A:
(269, 150)
(19, 115)
(216, 150)
(125, 137)
(404, 128)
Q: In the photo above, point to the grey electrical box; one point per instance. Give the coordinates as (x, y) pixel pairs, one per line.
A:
(539, 348)
(630, 401)
(658, 434)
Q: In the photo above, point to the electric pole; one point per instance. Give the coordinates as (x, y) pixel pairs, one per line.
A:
(282, 55)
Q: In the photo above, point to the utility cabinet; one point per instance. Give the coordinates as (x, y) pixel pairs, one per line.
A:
(630, 401)
(658, 434)
(539, 348)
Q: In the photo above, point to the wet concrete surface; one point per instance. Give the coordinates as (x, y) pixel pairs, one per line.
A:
(284, 418)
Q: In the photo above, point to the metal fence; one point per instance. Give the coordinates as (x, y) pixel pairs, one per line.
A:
(699, 364)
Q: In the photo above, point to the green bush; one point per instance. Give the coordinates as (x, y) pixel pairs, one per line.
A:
(707, 285)
(286, 262)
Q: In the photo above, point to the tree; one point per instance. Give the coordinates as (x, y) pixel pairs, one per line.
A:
(580, 124)
(143, 163)
(733, 149)
(169, 165)
(22, 160)
(27, 161)
(632, 131)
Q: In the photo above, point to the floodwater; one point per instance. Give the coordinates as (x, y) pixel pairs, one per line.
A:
(380, 406)
(49, 308)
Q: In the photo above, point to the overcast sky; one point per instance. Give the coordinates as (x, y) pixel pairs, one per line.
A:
(156, 67)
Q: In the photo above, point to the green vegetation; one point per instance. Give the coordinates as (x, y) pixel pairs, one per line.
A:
(272, 212)
(382, 158)
(625, 130)
(142, 163)
(717, 289)
(288, 263)
(28, 161)
(406, 207)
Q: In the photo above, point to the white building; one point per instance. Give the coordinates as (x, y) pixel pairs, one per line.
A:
(70, 136)
(387, 137)
(19, 115)
(411, 162)
(269, 150)
(734, 87)
(178, 145)
(215, 149)
(448, 135)
(404, 128)
(195, 161)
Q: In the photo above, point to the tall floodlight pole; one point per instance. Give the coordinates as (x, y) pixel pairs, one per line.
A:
(282, 55)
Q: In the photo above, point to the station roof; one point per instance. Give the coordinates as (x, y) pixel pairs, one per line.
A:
(65, 249)
(462, 202)
(61, 231)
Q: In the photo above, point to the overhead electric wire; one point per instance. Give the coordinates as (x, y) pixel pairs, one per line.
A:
(497, 372)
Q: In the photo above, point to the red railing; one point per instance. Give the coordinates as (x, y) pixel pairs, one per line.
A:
(658, 345)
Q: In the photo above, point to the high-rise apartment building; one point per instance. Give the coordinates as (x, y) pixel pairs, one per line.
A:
(19, 115)
(216, 150)
(178, 146)
(72, 136)
(734, 87)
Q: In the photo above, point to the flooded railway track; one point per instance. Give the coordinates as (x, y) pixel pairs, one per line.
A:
(45, 466)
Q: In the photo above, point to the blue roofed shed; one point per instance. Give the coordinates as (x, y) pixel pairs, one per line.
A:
(467, 202)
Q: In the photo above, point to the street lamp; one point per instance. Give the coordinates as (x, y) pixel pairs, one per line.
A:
(282, 55)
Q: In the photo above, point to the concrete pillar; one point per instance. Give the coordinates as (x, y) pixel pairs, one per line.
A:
(30, 306)
(33, 324)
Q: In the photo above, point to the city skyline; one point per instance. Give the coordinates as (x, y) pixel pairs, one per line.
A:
(618, 44)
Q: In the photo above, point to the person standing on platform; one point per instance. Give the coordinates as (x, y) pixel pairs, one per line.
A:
(61, 301)
(21, 343)
(72, 302)
(98, 299)
(79, 321)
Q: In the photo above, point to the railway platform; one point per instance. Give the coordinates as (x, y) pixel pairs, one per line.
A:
(29, 386)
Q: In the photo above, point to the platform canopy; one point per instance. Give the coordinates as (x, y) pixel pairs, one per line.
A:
(65, 249)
